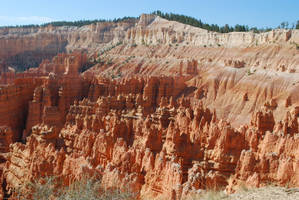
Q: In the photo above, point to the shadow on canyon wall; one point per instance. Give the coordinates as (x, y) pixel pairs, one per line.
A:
(31, 59)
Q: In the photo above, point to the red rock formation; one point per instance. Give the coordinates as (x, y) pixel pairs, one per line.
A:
(14, 105)
(143, 116)
(24, 48)
(171, 154)
(234, 63)
(263, 120)
(51, 100)
(7, 74)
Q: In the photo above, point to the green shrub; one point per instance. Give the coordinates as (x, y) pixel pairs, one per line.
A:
(249, 72)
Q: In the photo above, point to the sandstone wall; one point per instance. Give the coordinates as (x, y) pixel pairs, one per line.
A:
(27, 47)
(173, 151)
(14, 105)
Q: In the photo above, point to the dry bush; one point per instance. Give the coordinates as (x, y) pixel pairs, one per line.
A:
(209, 195)
(85, 189)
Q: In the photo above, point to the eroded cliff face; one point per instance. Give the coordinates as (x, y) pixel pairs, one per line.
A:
(159, 107)
(27, 47)
(24, 48)
(171, 151)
